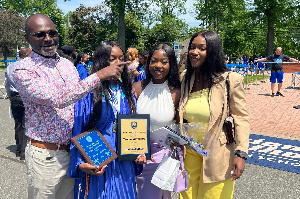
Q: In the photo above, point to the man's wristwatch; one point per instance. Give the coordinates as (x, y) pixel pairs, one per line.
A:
(241, 154)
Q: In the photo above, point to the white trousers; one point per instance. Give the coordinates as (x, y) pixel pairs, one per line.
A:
(47, 173)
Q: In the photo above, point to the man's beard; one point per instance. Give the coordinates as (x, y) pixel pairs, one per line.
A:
(48, 54)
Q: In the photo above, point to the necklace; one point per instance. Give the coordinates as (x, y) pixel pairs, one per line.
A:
(115, 98)
(114, 94)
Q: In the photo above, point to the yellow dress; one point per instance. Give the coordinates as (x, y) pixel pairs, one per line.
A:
(197, 111)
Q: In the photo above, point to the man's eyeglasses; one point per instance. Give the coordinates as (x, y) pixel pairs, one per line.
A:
(42, 35)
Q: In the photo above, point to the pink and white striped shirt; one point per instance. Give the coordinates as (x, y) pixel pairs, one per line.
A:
(49, 88)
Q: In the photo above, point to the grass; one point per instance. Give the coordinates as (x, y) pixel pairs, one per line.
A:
(259, 78)
(2, 67)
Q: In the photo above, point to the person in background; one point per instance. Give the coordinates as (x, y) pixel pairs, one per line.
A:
(49, 86)
(85, 104)
(132, 55)
(139, 74)
(116, 179)
(276, 69)
(70, 51)
(245, 59)
(80, 63)
(17, 106)
(157, 95)
(62, 54)
(204, 100)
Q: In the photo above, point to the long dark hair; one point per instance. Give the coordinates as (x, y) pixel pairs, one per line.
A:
(173, 76)
(214, 64)
(78, 58)
(100, 61)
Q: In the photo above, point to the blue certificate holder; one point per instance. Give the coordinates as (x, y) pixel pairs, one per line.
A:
(133, 136)
(94, 148)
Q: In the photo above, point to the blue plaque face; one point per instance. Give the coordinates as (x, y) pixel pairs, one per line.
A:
(94, 147)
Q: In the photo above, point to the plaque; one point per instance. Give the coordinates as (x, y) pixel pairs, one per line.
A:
(133, 136)
(94, 148)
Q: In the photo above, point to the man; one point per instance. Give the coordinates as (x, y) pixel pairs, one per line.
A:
(276, 69)
(17, 107)
(49, 86)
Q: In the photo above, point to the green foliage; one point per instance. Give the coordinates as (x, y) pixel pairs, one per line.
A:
(167, 27)
(11, 31)
(252, 27)
(134, 32)
(169, 30)
(89, 26)
(46, 7)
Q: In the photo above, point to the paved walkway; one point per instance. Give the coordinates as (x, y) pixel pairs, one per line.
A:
(274, 116)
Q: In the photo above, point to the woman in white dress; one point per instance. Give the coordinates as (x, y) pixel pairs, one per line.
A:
(157, 95)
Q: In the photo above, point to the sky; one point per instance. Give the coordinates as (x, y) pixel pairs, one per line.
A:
(73, 4)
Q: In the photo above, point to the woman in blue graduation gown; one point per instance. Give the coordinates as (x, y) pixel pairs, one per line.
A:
(111, 98)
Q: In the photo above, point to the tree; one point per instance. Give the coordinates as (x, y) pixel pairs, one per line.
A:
(167, 28)
(135, 32)
(89, 26)
(160, 11)
(231, 20)
(252, 27)
(46, 7)
(167, 31)
(277, 15)
(119, 8)
(11, 31)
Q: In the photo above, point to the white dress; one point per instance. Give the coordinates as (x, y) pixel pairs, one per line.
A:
(156, 100)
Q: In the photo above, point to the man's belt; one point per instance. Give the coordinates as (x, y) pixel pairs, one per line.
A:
(49, 146)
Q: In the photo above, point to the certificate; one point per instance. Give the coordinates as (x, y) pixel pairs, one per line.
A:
(133, 136)
(94, 148)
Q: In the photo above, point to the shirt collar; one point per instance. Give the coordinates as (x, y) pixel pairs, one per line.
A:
(44, 60)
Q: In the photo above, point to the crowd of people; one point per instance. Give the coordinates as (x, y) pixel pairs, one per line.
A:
(62, 98)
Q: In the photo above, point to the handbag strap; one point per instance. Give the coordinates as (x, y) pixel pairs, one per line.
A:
(180, 155)
(184, 172)
(227, 91)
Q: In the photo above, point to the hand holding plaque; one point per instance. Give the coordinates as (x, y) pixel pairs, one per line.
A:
(94, 148)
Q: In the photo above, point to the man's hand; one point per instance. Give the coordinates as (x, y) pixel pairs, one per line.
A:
(112, 72)
(93, 170)
(238, 168)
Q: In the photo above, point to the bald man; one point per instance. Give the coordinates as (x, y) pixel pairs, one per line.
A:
(276, 69)
(17, 106)
(49, 86)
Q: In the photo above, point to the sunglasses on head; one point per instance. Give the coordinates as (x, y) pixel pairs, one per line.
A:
(42, 35)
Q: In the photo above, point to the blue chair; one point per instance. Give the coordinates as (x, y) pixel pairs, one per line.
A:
(295, 76)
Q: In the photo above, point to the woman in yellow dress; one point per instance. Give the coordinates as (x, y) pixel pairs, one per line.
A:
(204, 100)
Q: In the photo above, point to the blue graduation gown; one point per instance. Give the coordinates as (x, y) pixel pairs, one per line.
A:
(118, 180)
(141, 76)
